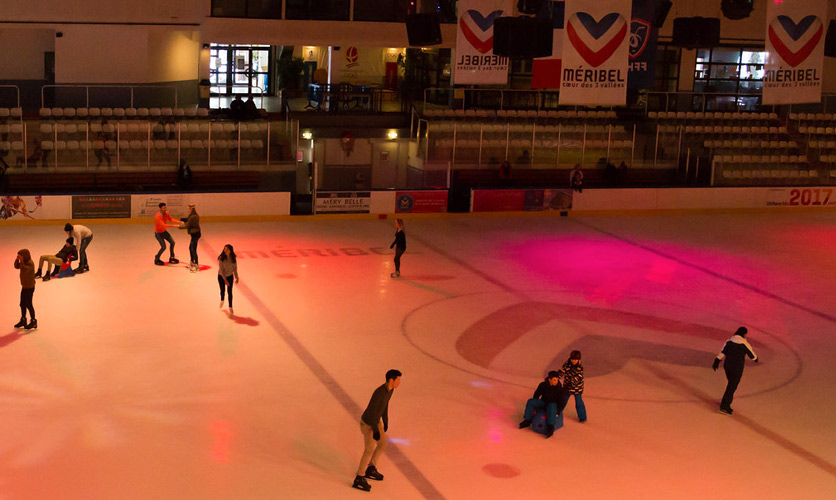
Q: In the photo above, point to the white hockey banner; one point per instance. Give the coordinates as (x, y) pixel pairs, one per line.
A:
(596, 52)
(795, 51)
(476, 63)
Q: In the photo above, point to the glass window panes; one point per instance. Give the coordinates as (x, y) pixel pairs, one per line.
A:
(381, 10)
(258, 9)
(334, 10)
(241, 69)
(730, 70)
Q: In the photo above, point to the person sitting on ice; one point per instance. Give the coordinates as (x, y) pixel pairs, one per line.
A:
(550, 397)
(67, 253)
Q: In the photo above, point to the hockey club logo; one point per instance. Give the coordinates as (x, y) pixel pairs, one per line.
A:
(478, 29)
(596, 41)
(639, 35)
(352, 55)
(795, 42)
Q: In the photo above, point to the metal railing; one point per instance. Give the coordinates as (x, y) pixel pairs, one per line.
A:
(87, 88)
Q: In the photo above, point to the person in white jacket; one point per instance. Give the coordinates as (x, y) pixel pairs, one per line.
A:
(82, 236)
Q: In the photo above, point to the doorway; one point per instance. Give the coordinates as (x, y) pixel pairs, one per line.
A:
(239, 69)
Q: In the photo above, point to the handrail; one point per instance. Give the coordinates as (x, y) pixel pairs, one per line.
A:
(113, 86)
(17, 90)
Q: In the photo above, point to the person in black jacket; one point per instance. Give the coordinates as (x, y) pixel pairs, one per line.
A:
(400, 247)
(550, 396)
(374, 424)
(734, 353)
(67, 253)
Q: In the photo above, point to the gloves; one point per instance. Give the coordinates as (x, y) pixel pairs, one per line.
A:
(716, 364)
(376, 434)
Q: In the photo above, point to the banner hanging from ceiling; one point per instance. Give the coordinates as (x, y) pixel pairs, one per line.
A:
(475, 62)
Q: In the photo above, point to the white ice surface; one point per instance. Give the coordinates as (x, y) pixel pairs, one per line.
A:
(136, 386)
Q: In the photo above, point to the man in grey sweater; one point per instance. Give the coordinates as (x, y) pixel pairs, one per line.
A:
(373, 424)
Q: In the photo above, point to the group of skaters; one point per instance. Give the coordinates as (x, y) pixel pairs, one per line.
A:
(74, 248)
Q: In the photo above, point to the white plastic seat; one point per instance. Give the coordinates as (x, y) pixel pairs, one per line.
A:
(130, 112)
(82, 112)
(45, 113)
(143, 112)
(107, 112)
(69, 112)
(94, 112)
(119, 112)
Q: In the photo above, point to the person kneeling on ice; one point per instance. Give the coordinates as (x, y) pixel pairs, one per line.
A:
(734, 352)
(550, 397)
(67, 253)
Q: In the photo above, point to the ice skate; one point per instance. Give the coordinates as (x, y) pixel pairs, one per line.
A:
(525, 423)
(79, 270)
(47, 277)
(38, 274)
(158, 262)
(21, 323)
(173, 261)
(32, 324)
(361, 484)
(231, 311)
(726, 411)
(221, 305)
(549, 430)
(396, 274)
(372, 473)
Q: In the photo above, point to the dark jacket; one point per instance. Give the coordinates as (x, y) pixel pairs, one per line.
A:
(572, 377)
(378, 407)
(27, 269)
(400, 240)
(550, 393)
(67, 253)
(192, 224)
(735, 352)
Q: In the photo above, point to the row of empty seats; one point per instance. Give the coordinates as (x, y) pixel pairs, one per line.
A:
(6, 113)
(762, 159)
(146, 127)
(812, 117)
(519, 114)
(85, 113)
(747, 144)
(711, 116)
(761, 173)
(521, 144)
(465, 127)
(724, 129)
(146, 145)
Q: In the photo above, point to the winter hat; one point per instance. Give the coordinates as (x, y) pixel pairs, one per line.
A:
(742, 331)
(575, 355)
(553, 374)
(68, 227)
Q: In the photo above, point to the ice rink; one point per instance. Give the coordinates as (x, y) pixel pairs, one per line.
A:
(137, 386)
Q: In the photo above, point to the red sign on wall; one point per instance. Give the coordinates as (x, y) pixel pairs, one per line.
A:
(417, 202)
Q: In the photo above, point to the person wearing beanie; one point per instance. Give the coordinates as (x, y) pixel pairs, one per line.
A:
(192, 227)
(572, 371)
(734, 352)
(163, 220)
(374, 424)
(67, 253)
(549, 395)
(82, 236)
(24, 262)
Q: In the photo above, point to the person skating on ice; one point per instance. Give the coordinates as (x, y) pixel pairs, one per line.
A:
(548, 396)
(373, 425)
(163, 220)
(24, 262)
(193, 228)
(734, 352)
(82, 235)
(227, 271)
(67, 253)
(400, 247)
(572, 372)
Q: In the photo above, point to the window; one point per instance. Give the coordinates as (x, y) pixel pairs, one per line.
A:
(256, 9)
(729, 70)
(667, 68)
(383, 10)
(239, 69)
(322, 10)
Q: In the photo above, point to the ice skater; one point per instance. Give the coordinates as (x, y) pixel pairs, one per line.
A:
(548, 396)
(572, 372)
(374, 424)
(67, 253)
(734, 353)
(82, 236)
(227, 270)
(400, 247)
(163, 220)
(193, 228)
(24, 262)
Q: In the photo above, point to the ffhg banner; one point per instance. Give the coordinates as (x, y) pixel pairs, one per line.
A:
(596, 52)
(475, 61)
(795, 32)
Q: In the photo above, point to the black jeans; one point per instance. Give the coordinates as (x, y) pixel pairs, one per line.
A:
(82, 251)
(733, 376)
(223, 283)
(398, 252)
(161, 239)
(26, 302)
(193, 247)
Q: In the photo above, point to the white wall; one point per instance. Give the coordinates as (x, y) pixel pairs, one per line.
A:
(22, 52)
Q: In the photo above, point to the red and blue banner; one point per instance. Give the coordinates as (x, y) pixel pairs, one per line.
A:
(475, 61)
(795, 33)
(595, 52)
(545, 71)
